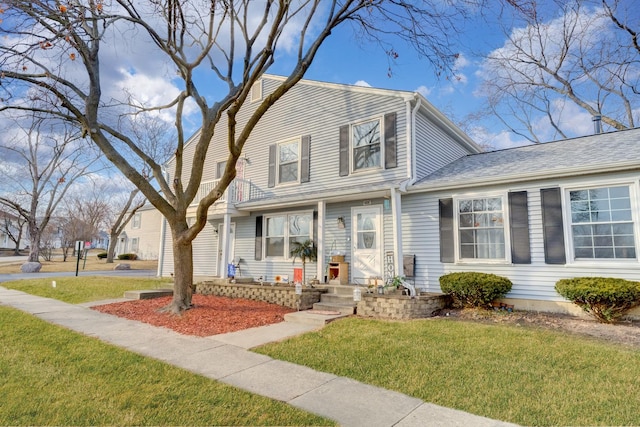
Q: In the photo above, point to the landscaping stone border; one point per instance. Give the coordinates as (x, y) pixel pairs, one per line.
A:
(401, 307)
(277, 294)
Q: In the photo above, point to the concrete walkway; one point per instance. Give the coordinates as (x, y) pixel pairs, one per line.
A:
(226, 358)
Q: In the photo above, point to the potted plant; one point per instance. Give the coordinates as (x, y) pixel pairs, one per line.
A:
(306, 251)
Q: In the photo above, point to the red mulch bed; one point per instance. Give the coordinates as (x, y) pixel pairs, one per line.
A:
(210, 315)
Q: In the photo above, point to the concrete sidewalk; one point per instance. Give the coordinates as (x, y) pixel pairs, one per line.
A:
(225, 358)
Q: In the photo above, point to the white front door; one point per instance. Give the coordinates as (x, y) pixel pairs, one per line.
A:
(366, 258)
(222, 269)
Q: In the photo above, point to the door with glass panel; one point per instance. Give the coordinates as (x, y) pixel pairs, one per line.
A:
(366, 258)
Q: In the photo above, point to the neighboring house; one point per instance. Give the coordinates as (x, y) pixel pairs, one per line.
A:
(9, 226)
(101, 241)
(327, 162)
(141, 235)
(383, 178)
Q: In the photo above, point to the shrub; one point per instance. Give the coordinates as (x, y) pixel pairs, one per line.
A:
(102, 255)
(472, 289)
(128, 256)
(605, 298)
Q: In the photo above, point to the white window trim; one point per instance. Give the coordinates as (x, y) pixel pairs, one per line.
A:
(297, 139)
(137, 216)
(566, 219)
(287, 250)
(352, 157)
(506, 224)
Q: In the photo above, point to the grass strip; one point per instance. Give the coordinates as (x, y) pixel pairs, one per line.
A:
(76, 290)
(53, 376)
(521, 375)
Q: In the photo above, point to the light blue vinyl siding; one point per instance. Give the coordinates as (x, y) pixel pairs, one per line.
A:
(434, 147)
(535, 281)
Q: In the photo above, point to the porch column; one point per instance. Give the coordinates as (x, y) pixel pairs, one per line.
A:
(322, 206)
(224, 258)
(396, 213)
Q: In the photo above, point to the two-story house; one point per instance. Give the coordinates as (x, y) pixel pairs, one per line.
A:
(141, 235)
(383, 178)
(327, 162)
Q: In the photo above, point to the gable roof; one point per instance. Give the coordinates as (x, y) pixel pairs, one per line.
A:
(614, 151)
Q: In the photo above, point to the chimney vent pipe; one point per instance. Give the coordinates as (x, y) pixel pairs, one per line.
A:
(597, 124)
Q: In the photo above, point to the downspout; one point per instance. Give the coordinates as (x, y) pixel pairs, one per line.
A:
(396, 195)
(411, 139)
(163, 232)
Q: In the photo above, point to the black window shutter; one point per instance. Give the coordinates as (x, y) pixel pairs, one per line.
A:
(552, 225)
(305, 175)
(315, 226)
(272, 165)
(344, 150)
(519, 226)
(447, 250)
(390, 154)
(258, 247)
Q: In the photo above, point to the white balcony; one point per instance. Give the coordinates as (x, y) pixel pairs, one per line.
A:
(238, 191)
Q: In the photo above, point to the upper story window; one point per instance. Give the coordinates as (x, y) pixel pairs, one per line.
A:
(365, 142)
(220, 167)
(135, 221)
(368, 145)
(282, 230)
(602, 223)
(288, 161)
(481, 229)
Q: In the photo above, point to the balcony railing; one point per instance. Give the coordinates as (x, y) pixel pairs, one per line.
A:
(238, 191)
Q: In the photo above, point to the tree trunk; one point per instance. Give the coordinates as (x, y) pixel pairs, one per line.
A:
(113, 241)
(34, 249)
(182, 275)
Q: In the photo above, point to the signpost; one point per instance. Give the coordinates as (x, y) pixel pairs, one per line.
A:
(79, 244)
(87, 246)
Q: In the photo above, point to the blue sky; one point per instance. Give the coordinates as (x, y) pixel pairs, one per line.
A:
(135, 67)
(345, 60)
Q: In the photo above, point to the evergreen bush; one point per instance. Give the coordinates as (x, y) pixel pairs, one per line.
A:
(128, 256)
(102, 255)
(605, 298)
(473, 289)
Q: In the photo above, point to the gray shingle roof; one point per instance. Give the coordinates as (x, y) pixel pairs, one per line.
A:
(589, 154)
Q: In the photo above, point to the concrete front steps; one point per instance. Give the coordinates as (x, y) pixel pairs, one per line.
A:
(149, 293)
(338, 298)
(335, 304)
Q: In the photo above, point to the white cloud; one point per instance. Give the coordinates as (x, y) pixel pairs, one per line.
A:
(496, 141)
(362, 83)
(424, 91)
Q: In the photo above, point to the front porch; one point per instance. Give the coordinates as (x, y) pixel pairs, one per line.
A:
(334, 299)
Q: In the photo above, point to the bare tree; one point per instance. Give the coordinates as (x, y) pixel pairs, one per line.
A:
(584, 59)
(59, 53)
(84, 215)
(42, 160)
(13, 227)
(122, 212)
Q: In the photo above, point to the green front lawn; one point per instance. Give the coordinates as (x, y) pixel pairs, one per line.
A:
(516, 374)
(52, 376)
(76, 290)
